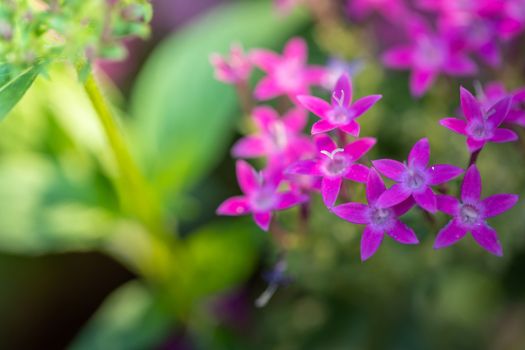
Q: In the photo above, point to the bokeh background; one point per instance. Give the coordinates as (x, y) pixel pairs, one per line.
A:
(64, 277)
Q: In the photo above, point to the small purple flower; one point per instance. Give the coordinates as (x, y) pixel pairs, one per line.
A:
(513, 21)
(288, 74)
(334, 165)
(495, 91)
(377, 220)
(481, 126)
(428, 55)
(341, 113)
(414, 178)
(261, 196)
(233, 70)
(470, 214)
(277, 138)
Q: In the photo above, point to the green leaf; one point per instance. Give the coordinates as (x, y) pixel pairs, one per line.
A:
(215, 258)
(13, 90)
(130, 318)
(184, 119)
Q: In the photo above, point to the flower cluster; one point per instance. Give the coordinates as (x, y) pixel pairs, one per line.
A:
(298, 166)
(31, 30)
(443, 36)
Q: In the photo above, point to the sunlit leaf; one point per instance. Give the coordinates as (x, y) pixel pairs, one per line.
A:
(11, 91)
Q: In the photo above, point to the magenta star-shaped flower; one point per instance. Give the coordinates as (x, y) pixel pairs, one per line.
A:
(288, 74)
(481, 126)
(278, 139)
(341, 113)
(470, 214)
(261, 196)
(334, 165)
(414, 178)
(234, 69)
(495, 91)
(377, 220)
(428, 55)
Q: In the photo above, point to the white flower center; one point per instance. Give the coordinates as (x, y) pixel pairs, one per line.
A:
(469, 214)
(336, 164)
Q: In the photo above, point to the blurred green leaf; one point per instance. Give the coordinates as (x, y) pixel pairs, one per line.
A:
(219, 256)
(13, 90)
(183, 117)
(130, 318)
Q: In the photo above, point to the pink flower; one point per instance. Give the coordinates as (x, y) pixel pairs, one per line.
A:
(390, 9)
(481, 126)
(495, 91)
(261, 196)
(334, 165)
(513, 21)
(428, 55)
(470, 214)
(277, 138)
(341, 113)
(288, 74)
(414, 178)
(233, 70)
(377, 220)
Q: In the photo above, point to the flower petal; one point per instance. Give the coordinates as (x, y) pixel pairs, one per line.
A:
(290, 199)
(470, 106)
(398, 58)
(296, 49)
(370, 242)
(265, 59)
(267, 89)
(325, 143)
(403, 207)
(343, 89)
(460, 66)
(474, 145)
(296, 119)
(488, 239)
(420, 81)
(441, 173)
(322, 126)
(234, 206)
(247, 177)
(356, 213)
(264, 117)
(352, 128)
(374, 186)
(471, 187)
(419, 154)
(449, 235)
(426, 200)
(457, 125)
(362, 105)
(499, 203)
(249, 147)
(402, 233)
(447, 204)
(315, 75)
(304, 167)
(497, 113)
(504, 135)
(358, 173)
(359, 148)
(394, 195)
(263, 220)
(330, 190)
(317, 106)
(390, 168)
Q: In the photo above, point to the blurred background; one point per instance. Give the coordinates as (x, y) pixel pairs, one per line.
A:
(65, 250)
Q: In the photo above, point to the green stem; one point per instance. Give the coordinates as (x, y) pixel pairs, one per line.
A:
(135, 193)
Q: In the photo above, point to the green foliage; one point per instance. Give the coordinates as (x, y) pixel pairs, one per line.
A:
(184, 118)
(130, 318)
(12, 90)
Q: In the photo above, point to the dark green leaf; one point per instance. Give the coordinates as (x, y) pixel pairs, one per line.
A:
(13, 90)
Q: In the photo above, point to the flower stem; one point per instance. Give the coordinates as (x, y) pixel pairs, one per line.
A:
(474, 157)
(135, 193)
